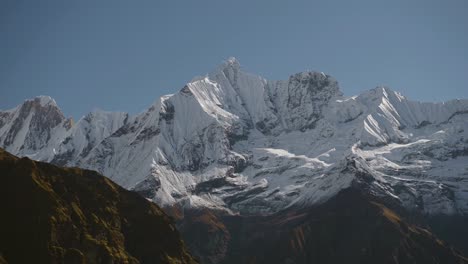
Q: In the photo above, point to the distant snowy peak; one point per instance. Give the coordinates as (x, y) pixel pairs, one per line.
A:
(270, 106)
(230, 63)
(38, 129)
(235, 141)
(410, 113)
(31, 126)
(45, 100)
(390, 117)
(87, 133)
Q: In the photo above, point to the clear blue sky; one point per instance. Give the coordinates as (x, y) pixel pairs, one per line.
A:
(123, 55)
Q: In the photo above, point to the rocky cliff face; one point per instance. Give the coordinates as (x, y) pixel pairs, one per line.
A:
(69, 215)
(237, 142)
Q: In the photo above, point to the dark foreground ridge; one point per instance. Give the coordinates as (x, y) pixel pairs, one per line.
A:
(349, 228)
(69, 215)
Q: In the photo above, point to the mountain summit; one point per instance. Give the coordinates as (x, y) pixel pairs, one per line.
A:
(237, 142)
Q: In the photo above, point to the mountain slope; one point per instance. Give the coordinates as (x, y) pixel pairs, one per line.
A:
(69, 215)
(88, 132)
(32, 127)
(234, 141)
(349, 228)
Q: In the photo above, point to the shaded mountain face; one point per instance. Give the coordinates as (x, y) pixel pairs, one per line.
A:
(349, 228)
(69, 215)
(237, 142)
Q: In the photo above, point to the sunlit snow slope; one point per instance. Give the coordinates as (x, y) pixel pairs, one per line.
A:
(235, 141)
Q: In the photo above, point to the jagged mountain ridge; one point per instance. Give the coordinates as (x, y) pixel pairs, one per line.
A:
(38, 129)
(234, 141)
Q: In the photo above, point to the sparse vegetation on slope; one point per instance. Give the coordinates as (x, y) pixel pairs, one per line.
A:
(69, 215)
(349, 228)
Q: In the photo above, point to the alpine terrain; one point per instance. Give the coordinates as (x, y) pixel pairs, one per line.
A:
(235, 143)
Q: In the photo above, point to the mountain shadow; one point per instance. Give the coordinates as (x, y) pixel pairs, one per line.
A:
(349, 228)
(69, 215)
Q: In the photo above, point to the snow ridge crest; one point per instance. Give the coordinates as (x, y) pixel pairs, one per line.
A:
(235, 141)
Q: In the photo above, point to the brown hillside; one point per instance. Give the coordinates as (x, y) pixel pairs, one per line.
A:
(349, 228)
(69, 215)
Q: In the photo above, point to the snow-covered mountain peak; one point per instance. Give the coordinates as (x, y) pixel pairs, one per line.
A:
(233, 61)
(35, 104)
(45, 100)
(30, 127)
(40, 103)
(229, 66)
(236, 141)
